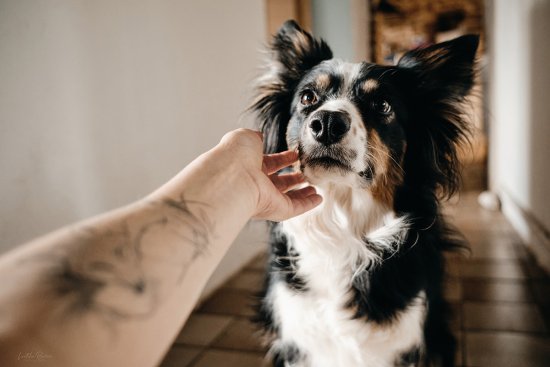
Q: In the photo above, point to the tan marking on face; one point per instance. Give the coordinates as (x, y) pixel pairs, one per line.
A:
(369, 85)
(354, 130)
(322, 81)
(387, 172)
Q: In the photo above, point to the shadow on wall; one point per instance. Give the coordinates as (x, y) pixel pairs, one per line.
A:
(539, 115)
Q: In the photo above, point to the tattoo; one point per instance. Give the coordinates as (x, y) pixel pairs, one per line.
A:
(115, 273)
(198, 225)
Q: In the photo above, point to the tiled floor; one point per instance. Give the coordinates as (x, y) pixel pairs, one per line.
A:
(500, 297)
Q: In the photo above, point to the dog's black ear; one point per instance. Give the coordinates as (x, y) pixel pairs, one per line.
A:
(294, 52)
(440, 77)
(445, 68)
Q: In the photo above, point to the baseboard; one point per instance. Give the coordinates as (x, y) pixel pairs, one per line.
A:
(531, 231)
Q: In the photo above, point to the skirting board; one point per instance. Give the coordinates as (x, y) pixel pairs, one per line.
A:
(533, 234)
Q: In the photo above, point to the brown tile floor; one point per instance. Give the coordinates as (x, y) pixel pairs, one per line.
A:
(500, 297)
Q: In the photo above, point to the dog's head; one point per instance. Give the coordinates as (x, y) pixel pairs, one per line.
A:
(366, 125)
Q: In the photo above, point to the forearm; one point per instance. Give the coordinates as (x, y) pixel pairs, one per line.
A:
(115, 290)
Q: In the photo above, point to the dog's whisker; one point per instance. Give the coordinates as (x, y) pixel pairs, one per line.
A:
(389, 156)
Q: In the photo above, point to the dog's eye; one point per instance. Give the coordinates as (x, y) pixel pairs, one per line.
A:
(382, 106)
(308, 98)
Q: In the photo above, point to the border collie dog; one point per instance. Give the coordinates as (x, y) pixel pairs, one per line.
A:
(358, 280)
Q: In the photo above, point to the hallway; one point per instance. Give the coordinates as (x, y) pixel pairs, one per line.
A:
(500, 298)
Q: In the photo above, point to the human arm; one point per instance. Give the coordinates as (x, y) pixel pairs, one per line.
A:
(114, 290)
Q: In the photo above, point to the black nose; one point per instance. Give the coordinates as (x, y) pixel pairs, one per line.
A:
(328, 127)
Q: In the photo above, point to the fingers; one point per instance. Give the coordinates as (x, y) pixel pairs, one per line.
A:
(285, 182)
(303, 200)
(302, 193)
(275, 162)
(289, 205)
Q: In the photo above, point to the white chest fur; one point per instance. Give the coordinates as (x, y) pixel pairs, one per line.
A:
(330, 241)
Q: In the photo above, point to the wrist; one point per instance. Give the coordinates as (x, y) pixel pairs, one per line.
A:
(216, 178)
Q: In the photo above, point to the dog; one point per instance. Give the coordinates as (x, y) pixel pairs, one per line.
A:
(357, 281)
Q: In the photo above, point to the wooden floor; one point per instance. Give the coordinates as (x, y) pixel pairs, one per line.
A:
(500, 297)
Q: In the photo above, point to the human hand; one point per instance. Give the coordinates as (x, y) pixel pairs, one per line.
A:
(274, 199)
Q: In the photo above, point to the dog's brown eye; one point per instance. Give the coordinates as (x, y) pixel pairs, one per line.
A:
(382, 106)
(308, 98)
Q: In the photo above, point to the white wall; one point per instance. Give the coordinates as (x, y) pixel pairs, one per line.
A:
(345, 25)
(519, 165)
(332, 21)
(102, 101)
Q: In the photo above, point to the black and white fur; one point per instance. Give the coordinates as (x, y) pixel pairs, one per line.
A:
(358, 280)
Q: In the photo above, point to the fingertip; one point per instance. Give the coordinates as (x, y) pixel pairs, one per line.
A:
(309, 190)
(290, 154)
(309, 198)
(316, 199)
(289, 157)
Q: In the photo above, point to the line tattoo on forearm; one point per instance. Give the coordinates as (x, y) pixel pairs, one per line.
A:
(119, 273)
